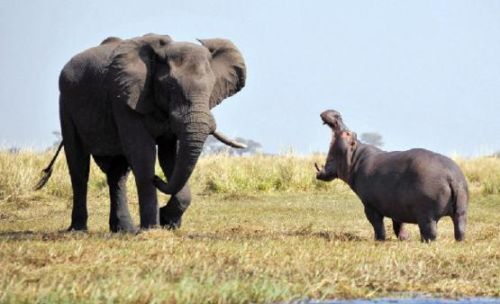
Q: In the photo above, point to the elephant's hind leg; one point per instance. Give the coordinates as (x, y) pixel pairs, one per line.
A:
(171, 214)
(400, 231)
(78, 160)
(140, 150)
(117, 171)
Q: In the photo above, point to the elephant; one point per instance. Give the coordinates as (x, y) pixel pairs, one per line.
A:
(415, 186)
(123, 100)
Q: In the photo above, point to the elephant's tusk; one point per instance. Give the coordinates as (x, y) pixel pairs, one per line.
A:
(223, 139)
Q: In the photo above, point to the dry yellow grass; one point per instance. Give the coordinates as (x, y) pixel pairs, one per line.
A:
(260, 229)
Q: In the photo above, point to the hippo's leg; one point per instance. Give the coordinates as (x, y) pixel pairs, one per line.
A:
(400, 231)
(377, 221)
(428, 231)
(459, 222)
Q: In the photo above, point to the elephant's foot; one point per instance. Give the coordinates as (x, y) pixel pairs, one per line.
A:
(169, 219)
(124, 227)
(171, 223)
(77, 228)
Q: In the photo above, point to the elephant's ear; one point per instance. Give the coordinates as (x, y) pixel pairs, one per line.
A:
(229, 69)
(132, 70)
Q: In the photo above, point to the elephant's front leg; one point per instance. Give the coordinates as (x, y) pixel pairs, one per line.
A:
(143, 169)
(140, 150)
(171, 213)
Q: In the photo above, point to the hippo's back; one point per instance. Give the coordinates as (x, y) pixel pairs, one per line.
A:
(406, 184)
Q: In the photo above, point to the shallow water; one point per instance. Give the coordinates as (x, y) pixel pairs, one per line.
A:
(409, 301)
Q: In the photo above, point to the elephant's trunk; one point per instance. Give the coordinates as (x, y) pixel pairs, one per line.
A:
(196, 126)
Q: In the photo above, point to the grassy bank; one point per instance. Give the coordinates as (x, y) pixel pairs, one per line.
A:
(260, 229)
(218, 174)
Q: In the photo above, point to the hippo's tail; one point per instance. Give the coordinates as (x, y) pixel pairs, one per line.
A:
(47, 172)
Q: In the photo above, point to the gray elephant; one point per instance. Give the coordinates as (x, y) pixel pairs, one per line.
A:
(414, 186)
(123, 99)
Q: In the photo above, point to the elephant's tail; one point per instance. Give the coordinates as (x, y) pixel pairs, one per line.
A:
(47, 172)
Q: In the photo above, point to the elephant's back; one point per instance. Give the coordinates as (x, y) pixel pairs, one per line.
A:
(84, 99)
(87, 68)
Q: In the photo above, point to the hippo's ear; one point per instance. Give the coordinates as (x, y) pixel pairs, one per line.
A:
(354, 136)
(345, 147)
(354, 140)
(350, 139)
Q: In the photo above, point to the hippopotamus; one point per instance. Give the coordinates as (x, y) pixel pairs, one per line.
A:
(415, 186)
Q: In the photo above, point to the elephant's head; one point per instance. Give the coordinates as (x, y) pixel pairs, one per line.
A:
(183, 81)
(339, 158)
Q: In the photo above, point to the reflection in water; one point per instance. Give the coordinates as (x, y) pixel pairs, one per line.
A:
(408, 301)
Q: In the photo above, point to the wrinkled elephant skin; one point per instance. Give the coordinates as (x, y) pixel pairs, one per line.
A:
(125, 101)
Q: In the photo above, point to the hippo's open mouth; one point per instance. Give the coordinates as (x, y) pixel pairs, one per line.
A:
(333, 119)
